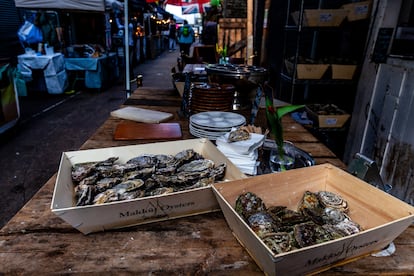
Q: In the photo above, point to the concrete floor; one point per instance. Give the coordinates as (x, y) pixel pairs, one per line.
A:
(51, 124)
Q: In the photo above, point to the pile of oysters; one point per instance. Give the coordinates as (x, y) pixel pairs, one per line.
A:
(145, 175)
(320, 217)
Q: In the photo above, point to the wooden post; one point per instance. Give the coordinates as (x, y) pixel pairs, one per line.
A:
(263, 51)
(250, 21)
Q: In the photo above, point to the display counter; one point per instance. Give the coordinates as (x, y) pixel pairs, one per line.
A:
(53, 67)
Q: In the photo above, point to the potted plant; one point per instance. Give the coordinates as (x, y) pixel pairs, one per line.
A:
(284, 155)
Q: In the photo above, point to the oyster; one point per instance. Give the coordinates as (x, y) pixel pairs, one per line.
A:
(261, 223)
(198, 165)
(121, 191)
(310, 233)
(348, 227)
(332, 200)
(285, 218)
(107, 183)
(162, 191)
(311, 207)
(333, 216)
(239, 134)
(282, 229)
(248, 204)
(185, 156)
(84, 194)
(83, 170)
(143, 161)
(109, 195)
(280, 242)
(128, 186)
(144, 175)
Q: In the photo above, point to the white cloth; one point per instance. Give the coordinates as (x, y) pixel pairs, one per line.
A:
(53, 67)
(243, 154)
(242, 147)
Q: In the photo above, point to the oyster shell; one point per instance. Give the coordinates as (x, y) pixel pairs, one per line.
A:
(248, 204)
(144, 175)
(310, 233)
(83, 170)
(280, 242)
(348, 227)
(282, 229)
(239, 134)
(333, 216)
(261, 223)
(332, 200)
(311, 207)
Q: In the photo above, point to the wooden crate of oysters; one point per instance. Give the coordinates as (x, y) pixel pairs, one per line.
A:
(310, 219)
(116, 187)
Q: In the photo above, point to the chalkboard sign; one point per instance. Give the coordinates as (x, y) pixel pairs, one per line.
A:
(381, 45)
(236, 9)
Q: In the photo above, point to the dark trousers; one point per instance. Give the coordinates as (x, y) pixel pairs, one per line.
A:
(185, 47)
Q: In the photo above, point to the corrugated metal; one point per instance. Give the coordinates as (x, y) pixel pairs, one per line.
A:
(10, 22)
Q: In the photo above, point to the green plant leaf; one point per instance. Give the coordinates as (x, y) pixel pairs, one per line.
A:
(283, 110)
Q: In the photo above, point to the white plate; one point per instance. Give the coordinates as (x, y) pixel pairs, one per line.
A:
(202, 134)
(217, 119)
(206, 134)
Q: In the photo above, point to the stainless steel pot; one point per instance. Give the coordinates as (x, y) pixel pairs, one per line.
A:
(245, 78)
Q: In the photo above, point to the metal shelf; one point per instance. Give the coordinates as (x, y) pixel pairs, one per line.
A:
(315, 82)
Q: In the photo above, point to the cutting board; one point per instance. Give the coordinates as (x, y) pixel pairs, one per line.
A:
(141, 114)
(142, 131)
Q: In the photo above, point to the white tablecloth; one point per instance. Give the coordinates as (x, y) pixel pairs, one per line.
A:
(53, 67)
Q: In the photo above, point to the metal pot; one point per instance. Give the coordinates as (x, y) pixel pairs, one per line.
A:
(245, 78)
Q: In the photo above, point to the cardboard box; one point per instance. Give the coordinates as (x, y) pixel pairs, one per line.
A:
(119, 214)
(307, 71)
(382, 216)
(337, 120)
(321, 17)
(343, 71)
(358, 10)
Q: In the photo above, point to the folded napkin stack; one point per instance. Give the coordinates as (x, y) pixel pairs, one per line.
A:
(243, 154)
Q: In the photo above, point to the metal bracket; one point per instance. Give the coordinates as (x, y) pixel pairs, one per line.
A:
(367, 170)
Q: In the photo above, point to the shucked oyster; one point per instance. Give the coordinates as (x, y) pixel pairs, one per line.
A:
(238, 135)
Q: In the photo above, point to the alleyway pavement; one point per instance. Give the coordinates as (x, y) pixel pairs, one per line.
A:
(51, 124)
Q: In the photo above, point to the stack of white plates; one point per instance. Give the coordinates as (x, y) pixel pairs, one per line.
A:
(213, 124)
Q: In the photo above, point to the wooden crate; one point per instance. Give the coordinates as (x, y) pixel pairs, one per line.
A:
(321, 17)
(93, 218)
(358, 11)
(233, 32)
(382, 216)
(343, 71)
(307, 71)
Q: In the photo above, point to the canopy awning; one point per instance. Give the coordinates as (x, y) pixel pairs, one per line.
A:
(89, 5)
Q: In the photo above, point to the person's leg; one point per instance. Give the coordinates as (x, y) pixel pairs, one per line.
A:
(187, 49)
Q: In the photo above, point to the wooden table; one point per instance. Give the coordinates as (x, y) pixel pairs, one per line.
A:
(35, 241)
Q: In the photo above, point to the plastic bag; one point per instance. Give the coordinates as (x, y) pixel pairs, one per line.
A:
(30, 33)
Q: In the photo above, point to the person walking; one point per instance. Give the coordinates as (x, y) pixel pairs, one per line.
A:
(172, 36)
(186, 37)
